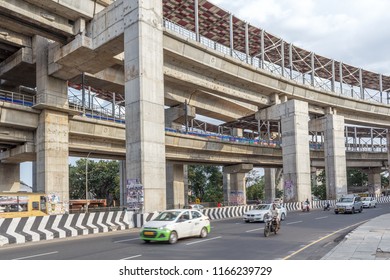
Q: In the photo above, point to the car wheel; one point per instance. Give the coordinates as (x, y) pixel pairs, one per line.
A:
(246, 221)
(336, 212)
(282, 217)
(374, 205)
(173, 237)
(203, 232)
(147, 241)
(361, 209)
(353, 210)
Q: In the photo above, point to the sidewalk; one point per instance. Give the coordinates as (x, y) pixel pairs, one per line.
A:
(370, 241)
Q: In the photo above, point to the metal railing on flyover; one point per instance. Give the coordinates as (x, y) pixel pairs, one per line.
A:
(376, 144)
(17, 98)
(325, 84)
(273, 143)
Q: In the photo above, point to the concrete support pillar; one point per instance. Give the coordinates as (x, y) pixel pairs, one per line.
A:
(374, 181)
(9, 177)
(296, 153)
(144, 99)
(226, 187)
(176, 117)
(294, 117)
(279, 179)
(176, 195)
(270, 184)
(122, 183)
(34, 176)
(234, 183)
(313, 176)
(52, 136)
(238, 132)
(335, 159)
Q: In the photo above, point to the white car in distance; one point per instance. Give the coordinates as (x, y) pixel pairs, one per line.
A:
(257, 214)
(369, 202)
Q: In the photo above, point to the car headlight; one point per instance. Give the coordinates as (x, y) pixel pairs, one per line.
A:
(163, 227)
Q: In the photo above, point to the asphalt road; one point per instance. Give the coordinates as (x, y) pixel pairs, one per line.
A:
(303, 236)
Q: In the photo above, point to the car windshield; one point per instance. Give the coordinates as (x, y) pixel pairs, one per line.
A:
(346, 199)
(263, 207)
(366, 198)
(167, 216)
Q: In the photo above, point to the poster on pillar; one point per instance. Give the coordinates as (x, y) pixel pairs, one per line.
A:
(134, 195)
(236, 198)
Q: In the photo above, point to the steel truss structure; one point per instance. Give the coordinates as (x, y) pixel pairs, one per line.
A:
(220, 30)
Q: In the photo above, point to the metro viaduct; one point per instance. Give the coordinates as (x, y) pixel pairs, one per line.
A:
(132, 52)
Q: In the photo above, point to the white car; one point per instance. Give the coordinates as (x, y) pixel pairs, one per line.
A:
(199, 207)
(171, 225)
(369, 202)
(257, 214)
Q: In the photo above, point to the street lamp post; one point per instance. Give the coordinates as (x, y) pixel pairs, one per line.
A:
(86, 183)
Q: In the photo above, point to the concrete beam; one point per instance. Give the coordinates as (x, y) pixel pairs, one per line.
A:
(29, 19)
(14, 38)
(209, 84)
(238, 168)
(206, 103)
(82, 55)
(90, 128)
(178, 115)
(72, 9)
(21, 153)
(18, 116)
(15, 135)
(15, 67)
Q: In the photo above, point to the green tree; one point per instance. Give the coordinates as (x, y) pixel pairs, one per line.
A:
(318, 186)
(356, 178)
(385, 180)
(256, 190)
(206, 182)
(103, 179)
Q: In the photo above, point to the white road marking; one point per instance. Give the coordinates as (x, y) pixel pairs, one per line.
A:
(319, 218)
(132, 257)
(322, 238)
(254, 229)
(39, 255)
(297, 222)
(124, 240)
(205, 240)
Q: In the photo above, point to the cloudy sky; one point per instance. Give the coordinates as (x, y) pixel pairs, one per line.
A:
(355, 32)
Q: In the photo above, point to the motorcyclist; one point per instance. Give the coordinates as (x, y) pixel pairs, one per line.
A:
(275, 215)
(327, 206)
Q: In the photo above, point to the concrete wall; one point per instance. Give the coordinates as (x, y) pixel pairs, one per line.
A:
(28, 229)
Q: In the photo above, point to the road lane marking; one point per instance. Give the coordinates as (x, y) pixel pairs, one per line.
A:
(205, 240)
(132, 257)
(319, 218)
(322, 238)
(39, 255)
(297, 222)
(254, 229)
(124, 240)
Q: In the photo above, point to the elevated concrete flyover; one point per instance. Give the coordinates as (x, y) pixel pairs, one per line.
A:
(149, 55)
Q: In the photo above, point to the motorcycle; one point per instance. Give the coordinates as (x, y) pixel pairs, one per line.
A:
(271, 225)
(327, 206)
(305, 207)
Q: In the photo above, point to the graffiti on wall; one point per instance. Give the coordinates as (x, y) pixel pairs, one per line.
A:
(55, 206)
(236, 198)
(289, 190)
(135, 194)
